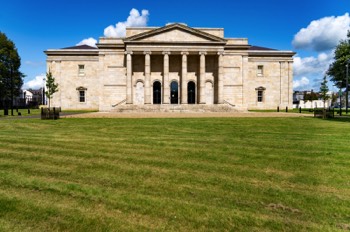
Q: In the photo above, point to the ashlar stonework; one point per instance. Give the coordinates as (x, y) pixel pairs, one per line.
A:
(174, 64)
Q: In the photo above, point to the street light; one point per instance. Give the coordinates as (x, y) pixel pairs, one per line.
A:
(347, 85)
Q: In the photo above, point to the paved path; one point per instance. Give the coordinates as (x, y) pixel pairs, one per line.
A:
(186, 115)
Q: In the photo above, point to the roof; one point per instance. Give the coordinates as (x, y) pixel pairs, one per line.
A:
(257, 48)
(81, 47)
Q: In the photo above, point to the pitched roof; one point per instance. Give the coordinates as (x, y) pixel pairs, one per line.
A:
(257, 48)
(172, 26)
(81, 47)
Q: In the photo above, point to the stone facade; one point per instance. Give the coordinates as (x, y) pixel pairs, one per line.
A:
(174, 64)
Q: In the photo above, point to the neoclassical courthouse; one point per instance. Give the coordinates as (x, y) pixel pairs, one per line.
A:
(174, 64)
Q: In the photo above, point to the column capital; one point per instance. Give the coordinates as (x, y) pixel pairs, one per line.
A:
(166, 53)
(128, 52)
(184, 53)
(202, 53)
(221, 53)
(147, 52)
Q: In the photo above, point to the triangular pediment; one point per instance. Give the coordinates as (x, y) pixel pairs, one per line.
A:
(175, 33)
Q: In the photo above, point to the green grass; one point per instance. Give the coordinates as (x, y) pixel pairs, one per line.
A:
(24, 112)
(303, 111)
(221, 174)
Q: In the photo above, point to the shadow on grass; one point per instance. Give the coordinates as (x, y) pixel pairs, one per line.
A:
(339, 119)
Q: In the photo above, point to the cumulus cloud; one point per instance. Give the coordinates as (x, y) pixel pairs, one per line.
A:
(322, 34)
(90, 41)
(301, 84)
(36, 83)
(312, 65)
(135, 19)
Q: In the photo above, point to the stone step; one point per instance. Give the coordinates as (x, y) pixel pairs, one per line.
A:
(176, 108)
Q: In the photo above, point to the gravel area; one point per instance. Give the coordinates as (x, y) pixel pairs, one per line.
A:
(186, 115)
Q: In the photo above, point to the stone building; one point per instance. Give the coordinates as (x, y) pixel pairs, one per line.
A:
(174, 64)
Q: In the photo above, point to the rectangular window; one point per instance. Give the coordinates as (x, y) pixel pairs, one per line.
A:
(81, 69)
(260, 95)
(81, 96)
(260, 70)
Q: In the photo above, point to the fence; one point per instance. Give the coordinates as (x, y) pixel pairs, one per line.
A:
(50, 113)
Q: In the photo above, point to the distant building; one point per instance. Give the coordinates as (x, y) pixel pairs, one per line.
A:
(299, 101)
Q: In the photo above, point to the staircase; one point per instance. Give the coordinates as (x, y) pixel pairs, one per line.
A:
(176, 108)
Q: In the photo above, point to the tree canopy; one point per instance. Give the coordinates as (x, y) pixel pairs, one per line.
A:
(11, 79)
(337, 70)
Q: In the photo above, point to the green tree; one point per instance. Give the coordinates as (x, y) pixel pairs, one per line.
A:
(337, 70)
(312, 96)
(11, 79)
(51, 86)
(324, 90)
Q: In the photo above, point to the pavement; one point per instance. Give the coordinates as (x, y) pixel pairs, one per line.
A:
(186, 115)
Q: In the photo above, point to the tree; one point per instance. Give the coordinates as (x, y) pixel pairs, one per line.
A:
(310, 96)
(337, 70)
(51, 86)
(11, 79)
(324, 90)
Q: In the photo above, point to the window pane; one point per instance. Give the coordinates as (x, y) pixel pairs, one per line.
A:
(260, 70)
(81, 68)
(260, 96)
(81, 96)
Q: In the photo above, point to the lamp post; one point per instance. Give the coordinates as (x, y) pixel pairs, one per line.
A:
(347, 86)
(43, 92)
(0, 94)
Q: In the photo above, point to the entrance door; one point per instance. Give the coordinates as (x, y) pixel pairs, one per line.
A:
(157, 92)
(174, 93)
(191, 92)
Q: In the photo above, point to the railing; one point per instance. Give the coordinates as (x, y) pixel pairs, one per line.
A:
(121, 102)
(229, 103)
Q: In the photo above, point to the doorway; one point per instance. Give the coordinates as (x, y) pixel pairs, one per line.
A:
(191, 92)
(174, 93)
(157, 92)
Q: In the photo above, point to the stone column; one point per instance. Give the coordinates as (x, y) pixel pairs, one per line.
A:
(202, 78)
(148, 92)
(184, 78)
(166, 85)
(129, 91)
(220, 78)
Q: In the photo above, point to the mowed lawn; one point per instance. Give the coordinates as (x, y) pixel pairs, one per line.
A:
(206, 174)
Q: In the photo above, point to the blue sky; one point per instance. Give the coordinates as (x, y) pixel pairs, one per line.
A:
(35, 26)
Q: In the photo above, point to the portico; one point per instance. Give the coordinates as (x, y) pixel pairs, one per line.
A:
(169, 69)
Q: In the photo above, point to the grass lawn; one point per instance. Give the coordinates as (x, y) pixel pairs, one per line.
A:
(221, 174)
(32, 112)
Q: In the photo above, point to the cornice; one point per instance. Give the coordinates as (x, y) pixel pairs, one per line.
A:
(80, 52)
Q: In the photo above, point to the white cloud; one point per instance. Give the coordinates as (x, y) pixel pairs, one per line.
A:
(312, 65)
(302, 83)
(323, 34)
(34, 63)
(90, 41)
(35, 83)
(135, 19)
